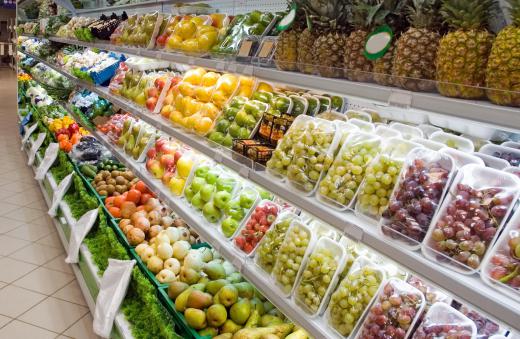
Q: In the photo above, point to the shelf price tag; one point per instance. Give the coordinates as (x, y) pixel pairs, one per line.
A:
(112, 291)
(78, 232)
(244, 172)
(35, 147)
(218, 157)
(50, 156)
(59, 193)
(400, 99)
(28, 134)
(353, 232)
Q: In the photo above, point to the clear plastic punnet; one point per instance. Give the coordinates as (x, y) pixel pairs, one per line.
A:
(387, 132)
(353, 296)
(511, 144)
(492, 161)
(319, 276)
(296, 246)
(422, 184)
(339, 186)
(501, 267)
(479, 202)
(256, 226)
(433, 145)
(453, 141)
(238, 210)
(363, 125)
(269, 247)
(407, 132)
(511, 155)
(380, 178)
(394, 313)
(312, 155)
(462, 158)
(443, 321)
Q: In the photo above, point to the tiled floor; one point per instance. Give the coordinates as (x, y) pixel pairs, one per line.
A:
(39, 296)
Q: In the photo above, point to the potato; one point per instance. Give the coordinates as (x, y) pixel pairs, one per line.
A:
(129, 175)
(98, 177)
(102, 192)
(120, 180)
(101, 183)
(111, 189)
(135, 236)
(102, 188)
(105, 174)
(127, 228)
(116, 193)
(121, 189)
(115, 173)
(111, 181)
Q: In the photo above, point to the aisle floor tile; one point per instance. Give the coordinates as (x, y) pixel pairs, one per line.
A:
(26, 214)
(25, 198)
(71, 293)
(9, 245)
(52, 240)
(17, 300)
(44, 280)
(12, 270)
(59, 264)
(2, 285)
(18, 329)
(30, 232)
(7, 224)
(36, 254)
(82, 329)
(4, 320)
(15, 187)
(6, 207)
(54, 314)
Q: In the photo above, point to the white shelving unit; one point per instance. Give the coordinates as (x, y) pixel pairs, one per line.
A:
(473, 113)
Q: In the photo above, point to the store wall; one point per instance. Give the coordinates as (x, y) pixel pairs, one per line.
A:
(7, 17)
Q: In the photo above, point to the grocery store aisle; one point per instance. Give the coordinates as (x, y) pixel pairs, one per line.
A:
(39, 296)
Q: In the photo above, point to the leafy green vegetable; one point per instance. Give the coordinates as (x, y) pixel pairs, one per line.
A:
(62, 168)
(78, 198)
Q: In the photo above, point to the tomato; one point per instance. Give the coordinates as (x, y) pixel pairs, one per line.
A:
(141, 186)
(119, 200)
(115, 211)
(134, 196)
(145, 197)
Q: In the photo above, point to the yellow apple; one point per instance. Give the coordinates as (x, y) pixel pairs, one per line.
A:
(184, 165)
(210, 79)
(176, 185)
(194, 76)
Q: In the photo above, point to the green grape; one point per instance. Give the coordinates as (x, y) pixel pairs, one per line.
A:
(376, 190)
(316, 278)
(270, 245)
(290, 257)
(347, 172)
(283, 154)
(351, 298)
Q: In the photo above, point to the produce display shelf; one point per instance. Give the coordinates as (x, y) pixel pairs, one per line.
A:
(428, 103)
(86, 271)
(471, 289)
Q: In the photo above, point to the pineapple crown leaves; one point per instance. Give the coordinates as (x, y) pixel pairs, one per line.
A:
(423, 14)
(368, 14)
(468, 14)
(326, 14)
(514, 10)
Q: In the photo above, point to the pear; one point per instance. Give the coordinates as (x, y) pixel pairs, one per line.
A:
(199, 286)
(195, 318)
(277, 331)
(269, 320)
(182, 299)
(214, 270)
(212, 287)
(199, 300)
(189, 275)
(224, 336)
(228, 295)
(230, 327)
(203, 280)
(234, 277)
(207, 254)
(245, 290)
(216, 315)
(268, 306)
(253, 320)
(216, 299)
(208, 332)
(298, 333)
(240, 311)
(175, 288)
(257, 304)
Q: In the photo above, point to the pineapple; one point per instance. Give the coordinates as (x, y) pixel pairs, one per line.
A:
(365, 16)
(503, 70)
(416, 51)
(329, 44)
(306, 60)
(463, 53)
(285, 53)
(396, 19)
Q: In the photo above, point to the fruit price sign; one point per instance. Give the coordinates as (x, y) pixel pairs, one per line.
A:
(35, 147)
(60, 191)
(50, 156)
(28, 134)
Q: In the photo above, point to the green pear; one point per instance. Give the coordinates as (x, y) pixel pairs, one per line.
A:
(269, 320)
(245, 289)
(228, 295)
(216, 299)
(240, 311)
(203, 280)
(175, 288)
(199, 300)
(215, 285)
(182, 299)
(216, 315)
(257, 304)
(224, 336)
(234, 277)
(253, 320)
(199, 286)
(189, 275)
(195, 318)
(230, 327)
(214, 270)
(209, 332)
(268, 306)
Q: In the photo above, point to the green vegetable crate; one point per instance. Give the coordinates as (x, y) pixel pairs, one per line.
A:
(114, 224)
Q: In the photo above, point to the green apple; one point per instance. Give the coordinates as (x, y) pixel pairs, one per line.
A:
(222, 126)
(230, 113)
(242, 118)
(237, 214)
(226, 184)
(211, 212)
(201, 171)
(247, 199)
(232, 205)
(229, 226)
(206, 192)
(197, 201)
(234, 129)
(188, 193)
(228, 141)
(211, 178)
(197, 184)
(216, 137)
(221, 199)
(243, 133)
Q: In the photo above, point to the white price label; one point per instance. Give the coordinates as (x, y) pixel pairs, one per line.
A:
(50, 156)
(218, 157)
(244, 172)
(78, 232)
(35, 147)
(28, 134)
(59, 193)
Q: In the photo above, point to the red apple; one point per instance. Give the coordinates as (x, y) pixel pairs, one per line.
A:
(161, 39)
(168, 148)
(153, 92)
(151, 153)
(177, 155)
(167, 161)
(167, 176)
(160, 83)
(150, 103)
